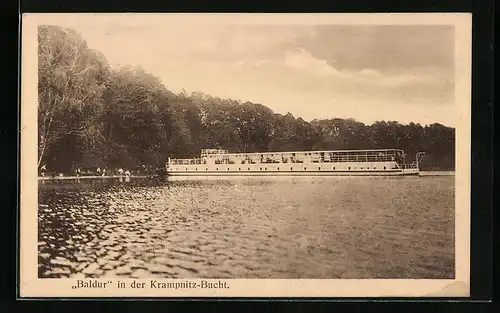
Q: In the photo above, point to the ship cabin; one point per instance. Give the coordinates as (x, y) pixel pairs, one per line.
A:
(221, 156)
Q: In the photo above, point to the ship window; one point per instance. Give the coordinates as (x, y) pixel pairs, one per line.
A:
(228, 168)
(384, 167)
(248, 168)
(186, 169)
(291, 168)
(239, 169)
(278, 168)
(265, 169)
(349, 168)
(361, 167)
(305, 168)
(334, 168)
(196, 169)
(217, 169)
(206, 169)
(261, 168)
(319, 168)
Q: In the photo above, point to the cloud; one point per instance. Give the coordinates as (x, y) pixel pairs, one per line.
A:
(301, 60)
(312, 88)
(304, 62)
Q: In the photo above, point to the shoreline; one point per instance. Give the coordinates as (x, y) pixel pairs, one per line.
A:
(56, 178)
(92, 177)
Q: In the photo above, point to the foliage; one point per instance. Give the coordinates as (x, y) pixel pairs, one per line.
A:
(71, 81)
(90, 115)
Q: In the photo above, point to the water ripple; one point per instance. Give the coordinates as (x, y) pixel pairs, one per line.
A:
(358, 227)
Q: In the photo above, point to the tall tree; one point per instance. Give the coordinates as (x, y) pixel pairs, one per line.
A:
(71, 79)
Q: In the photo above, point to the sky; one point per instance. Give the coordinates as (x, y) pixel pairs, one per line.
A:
(403, 73)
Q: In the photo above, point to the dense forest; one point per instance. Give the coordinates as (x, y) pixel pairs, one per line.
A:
(93, 115)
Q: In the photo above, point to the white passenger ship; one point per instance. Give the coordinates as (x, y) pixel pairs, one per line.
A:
(219, 162)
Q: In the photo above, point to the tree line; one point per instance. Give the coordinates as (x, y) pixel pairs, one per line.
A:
(91, 115)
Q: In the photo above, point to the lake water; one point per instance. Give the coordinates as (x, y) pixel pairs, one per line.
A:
(303, 227)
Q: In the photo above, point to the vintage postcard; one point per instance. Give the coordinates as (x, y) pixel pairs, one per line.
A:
(245, 155)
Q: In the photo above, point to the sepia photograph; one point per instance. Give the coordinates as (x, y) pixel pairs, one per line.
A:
(299, 155)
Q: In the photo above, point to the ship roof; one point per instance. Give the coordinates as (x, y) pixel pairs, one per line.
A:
(314, 151)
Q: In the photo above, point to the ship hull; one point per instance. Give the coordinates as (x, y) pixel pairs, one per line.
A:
(316, 170)
(325, 173)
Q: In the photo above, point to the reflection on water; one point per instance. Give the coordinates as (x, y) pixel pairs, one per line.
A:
(303, 227)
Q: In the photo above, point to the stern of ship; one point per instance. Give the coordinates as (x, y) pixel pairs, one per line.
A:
(414, 168)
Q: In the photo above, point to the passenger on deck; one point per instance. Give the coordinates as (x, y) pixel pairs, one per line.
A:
(103, 172)
(120, 171)
(127, 173)
(43, 169)
(78, 172)
(98, 171)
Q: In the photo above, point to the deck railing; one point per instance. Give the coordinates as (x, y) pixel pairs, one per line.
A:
(411, 165)
(186, 161)
(284, 160)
